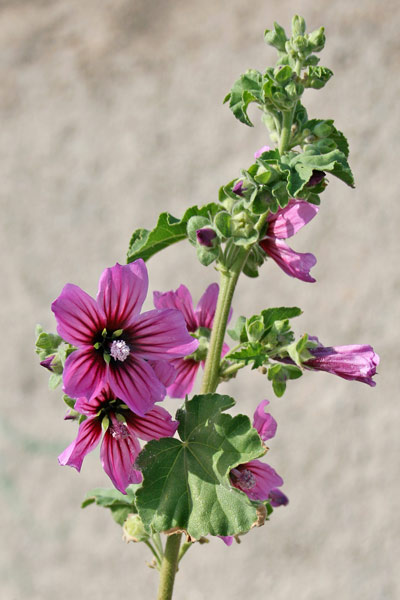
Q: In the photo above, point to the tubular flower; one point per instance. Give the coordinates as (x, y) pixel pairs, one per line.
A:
(354, 362)
(199, 322)
(255, 478)
(120, 445)
(116, 345)
(282, 225)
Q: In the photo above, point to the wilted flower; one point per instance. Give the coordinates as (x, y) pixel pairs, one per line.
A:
(282, 225)
(117, 346)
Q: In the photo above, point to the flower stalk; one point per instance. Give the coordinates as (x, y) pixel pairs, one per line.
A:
(169, 566)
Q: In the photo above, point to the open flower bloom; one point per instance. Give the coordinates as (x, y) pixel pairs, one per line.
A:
(116, 345)
(354, 362)
(120, 445)
(282, 225)
(199, 322)
(255, 478)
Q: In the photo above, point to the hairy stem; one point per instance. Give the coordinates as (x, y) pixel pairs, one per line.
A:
(227, 287)
(286, 131)
(169, 567)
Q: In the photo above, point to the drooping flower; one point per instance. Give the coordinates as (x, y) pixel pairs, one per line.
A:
(120, 445)
(256, 479)
(354, 362)
(116, 345)
(282, 225)
(199, 322)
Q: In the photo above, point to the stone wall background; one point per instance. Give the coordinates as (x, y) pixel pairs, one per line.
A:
(112, 111)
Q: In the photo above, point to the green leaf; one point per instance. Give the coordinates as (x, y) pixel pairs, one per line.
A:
(186, 482)
(119, 504)
(247, 89)
(303, 164)
(252, 352)
(236, 333)
(46, 343)
(279, 374)
(337, 136)
(169, 230)
(317, 77)
(270, 315)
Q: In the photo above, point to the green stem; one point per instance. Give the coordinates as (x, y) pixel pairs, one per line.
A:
(286, 131)
(156, 556)
(227, 287)
(184, 548)
(169, 566)
(232, 370)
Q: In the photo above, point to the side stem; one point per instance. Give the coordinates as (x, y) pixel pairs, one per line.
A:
(169, 566)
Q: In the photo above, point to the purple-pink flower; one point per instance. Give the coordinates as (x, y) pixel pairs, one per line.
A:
(200, 317)
(120, 445)
(282, 225)
(257, 479)
(355, 362)
(116, 345)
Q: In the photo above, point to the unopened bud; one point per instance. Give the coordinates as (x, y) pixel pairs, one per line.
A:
(133, 529)
(206, 237)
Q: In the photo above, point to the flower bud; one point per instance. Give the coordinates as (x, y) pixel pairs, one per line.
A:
(47, 362)
(298, 26)
(206, 237)
(133, 529)
(317, 39)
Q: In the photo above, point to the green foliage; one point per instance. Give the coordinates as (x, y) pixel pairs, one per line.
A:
(279, 374)
(169, 230)
(120, 505)
(52, 345)
(247, 89)
(186, 482)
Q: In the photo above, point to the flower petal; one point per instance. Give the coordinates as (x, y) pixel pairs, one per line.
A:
(84, 373)
(91, 406)
(164, 371)
(118, 456)
(289, 220)
(157, 423)
(89, 434)
(78, 316)
(207, 305)
(277, 498)
(227, 539)
(181, 299)
(161, 334)
(186, 371)
(122, 291)
(264, 422)
(266, 480)
(295, 264)
(261, 151)
(136, 384)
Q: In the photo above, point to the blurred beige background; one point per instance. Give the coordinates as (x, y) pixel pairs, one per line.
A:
(111, 112)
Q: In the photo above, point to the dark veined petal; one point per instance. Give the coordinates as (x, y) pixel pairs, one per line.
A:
(295, 264)
(157, 423)
(135, 383)
(161, 334)
(122, 291)
(181, 300)
(118, 454)
(264, 422)
(186, 371)
(289, 220)
(91, 406)
(78, 316)
(88, 437)
(84, 373)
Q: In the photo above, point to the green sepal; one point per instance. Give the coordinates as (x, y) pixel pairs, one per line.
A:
(298, 350)
(70, 402)
(186, 482)
(279, 374)
(247, 89)
(54, 381)
(239, 329)
(317, 77)
(120, 505)
(206, 255)
(169, 230)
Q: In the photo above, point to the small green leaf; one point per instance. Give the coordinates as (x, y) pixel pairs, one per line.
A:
(247, 89)
(119, 504)
(270, 315)
(303, 164)
(169, 230)
(239, 330)
(186, 482)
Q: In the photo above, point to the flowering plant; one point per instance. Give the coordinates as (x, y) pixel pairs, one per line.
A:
(116, 363)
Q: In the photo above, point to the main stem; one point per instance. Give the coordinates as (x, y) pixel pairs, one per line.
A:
(169, 566)
(210, 381)
(227, 287)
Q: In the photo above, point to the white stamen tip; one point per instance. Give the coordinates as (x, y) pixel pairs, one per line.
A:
(119, 350)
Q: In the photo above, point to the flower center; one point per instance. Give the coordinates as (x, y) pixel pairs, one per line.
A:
(119, 350)
(118, 430)
(243, 479)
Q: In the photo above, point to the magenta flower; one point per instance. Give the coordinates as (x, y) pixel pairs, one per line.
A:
(284, 224)
(120, 445)
(255, 478)
(198, 321)
(116, 345)
(355, 362)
